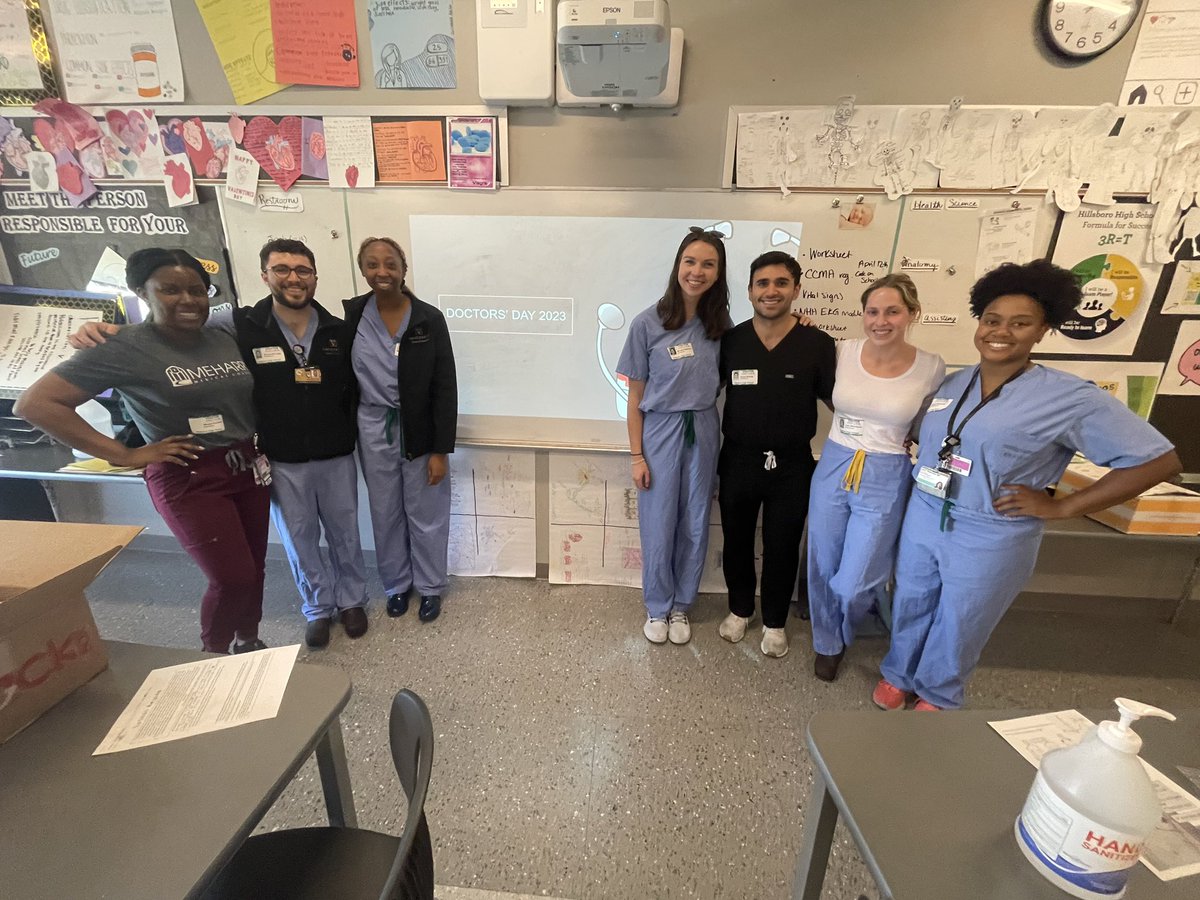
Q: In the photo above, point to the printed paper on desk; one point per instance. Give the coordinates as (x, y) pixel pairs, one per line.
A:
(349, 151)
(315, 42)
(196, 698)
(241, 32)
(409, 151)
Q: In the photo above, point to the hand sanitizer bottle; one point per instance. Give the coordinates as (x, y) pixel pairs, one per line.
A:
(1091, 808)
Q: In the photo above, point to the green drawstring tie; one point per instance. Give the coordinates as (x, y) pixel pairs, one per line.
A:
(389, 425)
(947, 506)
(689, 428)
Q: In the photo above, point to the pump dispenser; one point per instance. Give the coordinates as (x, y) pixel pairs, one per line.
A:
(1091, 808)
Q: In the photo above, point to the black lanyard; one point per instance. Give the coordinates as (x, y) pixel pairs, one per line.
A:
(952, 441)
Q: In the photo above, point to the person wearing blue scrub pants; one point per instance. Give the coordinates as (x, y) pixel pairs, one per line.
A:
(670, 358)
(407, 419)
(863, 479)
(994, 437)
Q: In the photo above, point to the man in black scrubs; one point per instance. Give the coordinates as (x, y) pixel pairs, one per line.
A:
(774, 371)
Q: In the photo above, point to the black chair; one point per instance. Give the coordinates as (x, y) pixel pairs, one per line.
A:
(348, 863)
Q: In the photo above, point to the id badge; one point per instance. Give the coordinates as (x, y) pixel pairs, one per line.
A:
(264, 355)
(745, 376)
(959, 465)
(933, 482)
(262, 470)
(850, 426)
(681, 351)
(308, 375)
(206, 424)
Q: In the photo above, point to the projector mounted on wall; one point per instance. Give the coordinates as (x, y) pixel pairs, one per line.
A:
(617, 53)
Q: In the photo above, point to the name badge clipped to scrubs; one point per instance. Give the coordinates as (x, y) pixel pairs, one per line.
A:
(681, 351)
(308, 375)
(745, 376)
(262, 470)
(850, 426)
(934, 482)
(263, 355)
(206, 424)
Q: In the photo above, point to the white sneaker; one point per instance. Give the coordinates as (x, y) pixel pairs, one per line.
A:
(680, 629)
(655, 631)
(733, 628)
(774, 642)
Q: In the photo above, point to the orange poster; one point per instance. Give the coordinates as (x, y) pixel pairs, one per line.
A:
(316, 42)
(410, 151)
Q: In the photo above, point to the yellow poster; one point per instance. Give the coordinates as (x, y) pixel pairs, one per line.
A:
(241, 32)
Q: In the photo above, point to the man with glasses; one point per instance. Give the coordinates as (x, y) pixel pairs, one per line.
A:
(298, 353)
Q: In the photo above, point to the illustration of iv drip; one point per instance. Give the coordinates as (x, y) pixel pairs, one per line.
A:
(610, 317)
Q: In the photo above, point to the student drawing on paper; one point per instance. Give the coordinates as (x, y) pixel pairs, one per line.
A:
(389, 74)
(1187, 245)
(945, 133)
(433, 67)
(841, 140)
(893, 169)
(1010, 151)
(918, 141)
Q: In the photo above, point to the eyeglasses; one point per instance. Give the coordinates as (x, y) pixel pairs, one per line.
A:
(282, 271)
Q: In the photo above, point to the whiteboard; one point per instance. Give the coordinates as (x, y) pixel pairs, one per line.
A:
(585, 262)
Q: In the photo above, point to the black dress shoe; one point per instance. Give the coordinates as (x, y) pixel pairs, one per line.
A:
(249, 646)
(397, 604)
(316, 633)
(826, 667)
(431, 608)
(354, 620)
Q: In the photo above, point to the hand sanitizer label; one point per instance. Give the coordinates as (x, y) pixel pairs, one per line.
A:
(1067, 844)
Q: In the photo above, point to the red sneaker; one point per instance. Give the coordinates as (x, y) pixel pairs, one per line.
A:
(887, 696)
(925, 706)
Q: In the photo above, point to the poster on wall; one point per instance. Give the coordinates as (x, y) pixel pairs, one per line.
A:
(50, 244)
(123, 53)
(1105, 248)
(18, 66)
(1183, 296)
(412, 43)
(1182, 378)
(1162, 70)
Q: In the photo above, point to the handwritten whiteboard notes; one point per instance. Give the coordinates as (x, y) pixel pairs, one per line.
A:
(492, 516)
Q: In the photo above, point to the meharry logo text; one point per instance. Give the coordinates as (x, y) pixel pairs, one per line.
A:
(179, 376)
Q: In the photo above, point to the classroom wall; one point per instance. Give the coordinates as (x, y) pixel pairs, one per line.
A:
(736, 52)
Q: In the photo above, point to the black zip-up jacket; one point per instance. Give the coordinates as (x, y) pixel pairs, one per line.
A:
(299, 422)
(425, 374)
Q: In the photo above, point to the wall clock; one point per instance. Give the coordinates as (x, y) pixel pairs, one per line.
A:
(1081, 30)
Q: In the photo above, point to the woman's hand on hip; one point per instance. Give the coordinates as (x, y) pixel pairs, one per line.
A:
(437, 468)
(1022, 500)
(177, 449)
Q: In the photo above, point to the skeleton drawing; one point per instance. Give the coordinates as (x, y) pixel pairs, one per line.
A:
(841, 139)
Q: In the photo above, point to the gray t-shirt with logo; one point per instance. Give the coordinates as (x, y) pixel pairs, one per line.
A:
(199, 387)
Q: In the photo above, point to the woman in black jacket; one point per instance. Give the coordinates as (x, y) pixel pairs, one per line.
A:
(407, 416)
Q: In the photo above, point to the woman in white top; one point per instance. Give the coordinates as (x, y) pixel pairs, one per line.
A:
(864, 475)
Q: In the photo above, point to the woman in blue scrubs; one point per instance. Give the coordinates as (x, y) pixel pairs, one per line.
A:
(407, 418)
(864, 476)
(994, 437)
(670, 358)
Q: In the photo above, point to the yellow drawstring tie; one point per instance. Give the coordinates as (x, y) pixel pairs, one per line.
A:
(853, 477)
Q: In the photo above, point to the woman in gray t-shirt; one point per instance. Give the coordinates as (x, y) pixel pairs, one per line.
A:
(189, 393)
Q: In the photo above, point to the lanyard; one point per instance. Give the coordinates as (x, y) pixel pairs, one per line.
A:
(953, 441)
(301, 356)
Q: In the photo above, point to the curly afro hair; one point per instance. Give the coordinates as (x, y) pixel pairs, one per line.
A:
(1052, 287)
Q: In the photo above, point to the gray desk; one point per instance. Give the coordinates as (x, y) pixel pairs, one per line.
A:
(930, 799)
(157, 822)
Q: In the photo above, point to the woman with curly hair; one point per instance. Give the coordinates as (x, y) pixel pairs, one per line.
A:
(995, 436)
(670, 358)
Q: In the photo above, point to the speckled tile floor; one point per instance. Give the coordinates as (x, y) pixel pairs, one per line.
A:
(574, 760)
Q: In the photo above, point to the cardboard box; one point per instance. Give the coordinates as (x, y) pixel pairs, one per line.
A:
(48, 640)
(1164, 509)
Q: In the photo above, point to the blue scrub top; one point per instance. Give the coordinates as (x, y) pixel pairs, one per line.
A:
(303, 340)
(374, 357)
(672, 385)
(1029, 433)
